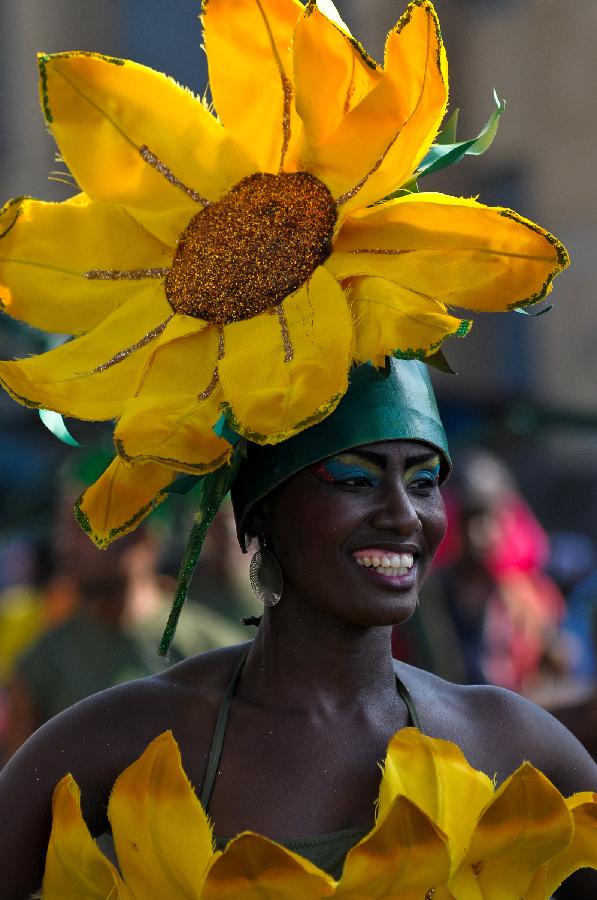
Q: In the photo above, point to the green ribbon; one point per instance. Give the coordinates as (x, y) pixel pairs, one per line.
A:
(214, 488)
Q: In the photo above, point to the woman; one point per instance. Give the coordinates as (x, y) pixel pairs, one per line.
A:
(318, 696)
(226, 282)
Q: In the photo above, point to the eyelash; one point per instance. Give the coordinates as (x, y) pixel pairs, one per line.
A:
(424, 478)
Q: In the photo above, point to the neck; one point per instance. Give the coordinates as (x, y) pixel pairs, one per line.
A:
(303, 657)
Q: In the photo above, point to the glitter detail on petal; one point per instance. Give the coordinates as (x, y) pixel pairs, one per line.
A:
(206, 394)
(287, 89)
(377, 251)
(163, 169)
(286, 342)
(124, 354)
(125, 274)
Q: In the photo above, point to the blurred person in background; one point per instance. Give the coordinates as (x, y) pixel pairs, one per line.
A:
(573, 563)
(492, 613)
(119, 603)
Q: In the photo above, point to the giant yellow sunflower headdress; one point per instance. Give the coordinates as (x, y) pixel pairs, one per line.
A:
(221, 274)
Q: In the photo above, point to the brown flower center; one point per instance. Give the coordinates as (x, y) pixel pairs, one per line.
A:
(246, 252)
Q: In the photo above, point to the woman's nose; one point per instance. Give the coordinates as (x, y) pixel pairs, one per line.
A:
(396, 512)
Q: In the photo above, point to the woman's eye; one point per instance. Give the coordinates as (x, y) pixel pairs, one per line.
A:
(357, 481)
(423, 479)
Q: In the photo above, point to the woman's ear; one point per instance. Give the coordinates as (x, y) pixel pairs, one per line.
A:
(256, 523)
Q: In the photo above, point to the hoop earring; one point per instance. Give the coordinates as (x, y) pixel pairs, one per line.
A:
(266, 576)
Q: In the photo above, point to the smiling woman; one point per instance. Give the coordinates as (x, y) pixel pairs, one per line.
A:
(251, 296)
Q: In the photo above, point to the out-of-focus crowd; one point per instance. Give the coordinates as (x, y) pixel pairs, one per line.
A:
(506, 604)
(75, 620)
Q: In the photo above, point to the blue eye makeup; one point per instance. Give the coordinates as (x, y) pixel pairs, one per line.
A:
(349, 469)
(423, 474)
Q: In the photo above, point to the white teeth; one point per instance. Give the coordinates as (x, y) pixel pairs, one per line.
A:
(390, 564)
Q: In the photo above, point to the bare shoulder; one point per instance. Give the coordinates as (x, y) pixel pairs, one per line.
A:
(94, 741)
(499, 730)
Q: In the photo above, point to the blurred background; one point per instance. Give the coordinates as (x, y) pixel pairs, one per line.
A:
(514, 593)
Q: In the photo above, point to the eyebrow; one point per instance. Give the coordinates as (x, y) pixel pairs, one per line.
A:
(382, 460)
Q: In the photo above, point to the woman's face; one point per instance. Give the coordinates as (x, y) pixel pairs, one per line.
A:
(356, 533)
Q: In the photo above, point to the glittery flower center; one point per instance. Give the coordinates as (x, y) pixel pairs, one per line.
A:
(246, 252)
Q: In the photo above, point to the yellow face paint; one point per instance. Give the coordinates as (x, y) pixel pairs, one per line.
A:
(426, 473)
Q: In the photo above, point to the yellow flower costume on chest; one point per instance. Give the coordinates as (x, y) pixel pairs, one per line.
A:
(442, 833)
(221, 276)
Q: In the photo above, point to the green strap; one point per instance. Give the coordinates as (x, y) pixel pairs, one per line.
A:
(218, 739)
(220, 730)
(409, 703)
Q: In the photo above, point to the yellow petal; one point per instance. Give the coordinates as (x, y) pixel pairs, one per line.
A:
(103, 111)
(522, 828)
(68, 380)
(435, 775)
(378, 145)
(121, 497)
(280, 376)
(458, 251)
(162, 836)
(332, 72)
(582, 850)
(250, 75)
(172, 417)
(393, 320)
(404, 856)
(75, 866)
(46, 250)
(254, 868)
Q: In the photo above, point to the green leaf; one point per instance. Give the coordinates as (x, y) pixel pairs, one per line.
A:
(55, 423)
(438, 361)
(214, 488)
(223, 430)
(444, 153)
(183, 485)
(541, 312)
(448, 133)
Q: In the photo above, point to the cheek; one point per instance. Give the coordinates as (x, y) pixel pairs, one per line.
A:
(435, 524)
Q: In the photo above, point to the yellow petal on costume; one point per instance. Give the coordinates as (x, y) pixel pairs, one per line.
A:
(171, 419)
(104, 111)
(255, 868)
(83, 378)
(404, 856)
(162, 836)
(435, 775)
(250, 75)
(75, 866)
(52, 256)
(582, 850)
(459, 251)
(378, 145)
(526, 823)
(121, 498)
(390, 319)
(280, 375)
(325, 93)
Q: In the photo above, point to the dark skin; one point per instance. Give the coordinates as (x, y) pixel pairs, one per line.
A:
(316, 703)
